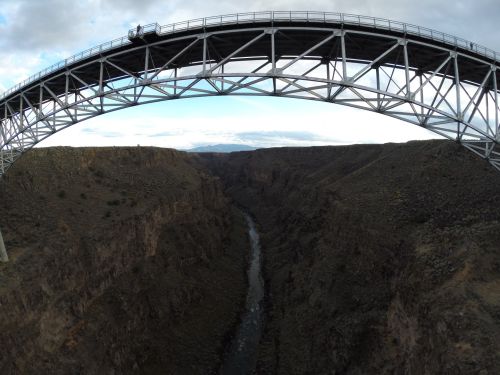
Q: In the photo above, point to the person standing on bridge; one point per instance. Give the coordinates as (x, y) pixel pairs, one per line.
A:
(139, 27)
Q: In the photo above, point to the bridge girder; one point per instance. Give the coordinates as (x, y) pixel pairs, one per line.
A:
(448, 90)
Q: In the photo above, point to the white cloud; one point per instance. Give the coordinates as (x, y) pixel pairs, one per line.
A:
(52, 25)
(332, 125)
(17, 67)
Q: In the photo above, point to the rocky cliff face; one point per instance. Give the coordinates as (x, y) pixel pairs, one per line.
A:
(379, 259)
(123, 261)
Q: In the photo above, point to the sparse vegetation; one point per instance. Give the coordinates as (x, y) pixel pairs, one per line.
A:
(368, 251)
(114, 202)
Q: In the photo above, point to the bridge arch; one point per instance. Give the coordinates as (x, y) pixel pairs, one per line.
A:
(437, 81)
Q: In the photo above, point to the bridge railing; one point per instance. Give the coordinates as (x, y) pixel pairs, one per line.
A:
(329, 17)
(271, 17)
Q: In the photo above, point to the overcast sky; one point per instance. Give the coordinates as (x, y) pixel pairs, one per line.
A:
(37, 33)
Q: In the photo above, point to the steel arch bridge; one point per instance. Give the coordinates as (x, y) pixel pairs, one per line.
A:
(434, 80)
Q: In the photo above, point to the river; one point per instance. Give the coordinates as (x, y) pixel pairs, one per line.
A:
(241, 357)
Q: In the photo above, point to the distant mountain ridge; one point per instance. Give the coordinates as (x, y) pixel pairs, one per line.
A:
(222, 148)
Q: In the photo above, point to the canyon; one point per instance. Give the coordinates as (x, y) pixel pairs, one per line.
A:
(376, 259)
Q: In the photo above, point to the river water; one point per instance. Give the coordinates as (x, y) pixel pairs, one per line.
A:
(241, 357)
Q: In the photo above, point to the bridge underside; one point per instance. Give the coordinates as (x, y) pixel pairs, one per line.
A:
(451, 91)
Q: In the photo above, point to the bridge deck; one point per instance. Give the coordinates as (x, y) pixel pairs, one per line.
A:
(295, 36)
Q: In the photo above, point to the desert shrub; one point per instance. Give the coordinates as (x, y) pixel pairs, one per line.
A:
(114, 202)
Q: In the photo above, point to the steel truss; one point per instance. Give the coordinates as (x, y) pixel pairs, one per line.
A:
(270, 60)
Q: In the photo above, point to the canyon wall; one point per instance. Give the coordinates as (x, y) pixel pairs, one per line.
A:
(123, 261)
(379, 259)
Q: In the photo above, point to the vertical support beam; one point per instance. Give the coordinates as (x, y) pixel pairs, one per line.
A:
(54, 114)
(496, 105)
(40, 101)
(136, 97)
(101, 85)
(66, 89)
(175, 86)
(407, 69)
(3, 252)
(344, 57)
(223, 78)
(204, 54)
(488, 117)
(5, 116)
(273, 51)
(21, 113)
(146, 63)
(3, 137)
(377, 72)
(75, 120)
(457, 88)
(273, 59)
(329, 92)
(421, 94)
